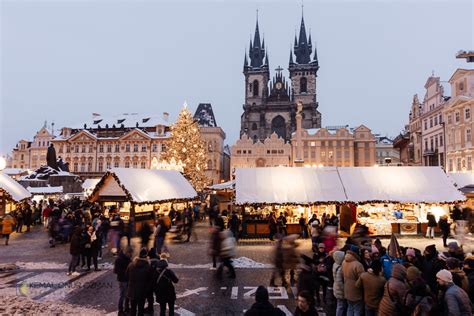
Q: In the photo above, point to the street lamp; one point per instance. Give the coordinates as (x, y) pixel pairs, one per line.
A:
(3, 163)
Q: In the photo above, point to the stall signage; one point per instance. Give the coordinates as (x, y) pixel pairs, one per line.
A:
(144, 216)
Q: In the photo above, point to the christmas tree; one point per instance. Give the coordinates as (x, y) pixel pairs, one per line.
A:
(186, 146)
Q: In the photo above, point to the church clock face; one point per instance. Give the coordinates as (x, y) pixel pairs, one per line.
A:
(278, 85)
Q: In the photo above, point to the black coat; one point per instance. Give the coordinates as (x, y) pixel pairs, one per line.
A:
(120, 267)
(164, 288)
(311, 312)
(264, 309)
(431, 220)
(139, 281)
(76, 247)
(444, 226)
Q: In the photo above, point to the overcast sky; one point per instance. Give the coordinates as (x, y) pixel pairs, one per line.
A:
(63, 60)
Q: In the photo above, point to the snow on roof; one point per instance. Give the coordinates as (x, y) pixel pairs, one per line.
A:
(205, 115)
(13, 188)
(223, 186)
(462, 179)
(89, 184)
(291, 185)
(280, 185)
(398, 185)
(127, 119)
(45, 190)
(14, 171)
(150, 186)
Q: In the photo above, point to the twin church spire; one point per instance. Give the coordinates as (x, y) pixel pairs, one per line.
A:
(302, 49)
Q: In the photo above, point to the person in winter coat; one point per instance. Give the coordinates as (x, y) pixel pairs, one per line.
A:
(418, 300)
(372, 284)
(164, 289)
(469, 270)
(226, 253)
(120, 269)
(323, 263)
(306, 278)
(139, 282)
(394, 292)
(445, 229)
(338, 285)
(7, 227)
(281, 223)
(215, 245)
(305, 305)
(351, 270)
(453, 265)
(75, 250)
(278, 269)
(455, 300)
(262, 305)
(160, 235)
(28, 219)
(431, 225)
(20, 215)
(431, 265)
(145, 234)
(91, 248)
(272, 225)
(366, 258)
(153, 259)
(234, 225)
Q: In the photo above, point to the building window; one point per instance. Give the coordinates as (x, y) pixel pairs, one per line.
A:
(75, 166)
(116, 164)
(330, 154)
(101, 166)
(154, 148)
(127, 164)
(117, 148)
(441, 139)
(101, 148)
(457, 117)
(435, 120)
(83, 167)
(431, 122)
(109, 148)
(426, 124)
(83, 148)
(436, 142)
(91, 148)
(143, 165)
(459, 164)
(426, 144)
(109, 165)
(440, 119)
(163, 147)
(254, 126)
(468, 135)
(135, 148)
(239, 152)
(89, 167)
(76, 149)
(450, 165)
(431, 143)
(303, 85)
(450, 120)
(127, 148)
(255, 88)
(143, 148)
(469, 163)
(467, 113)
(135, 164)
(323, 154)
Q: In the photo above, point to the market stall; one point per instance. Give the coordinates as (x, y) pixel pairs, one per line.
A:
(464, 181)
(88, 186)
(11, 193)
(44, 193)
(139, 194)
(221, 194)
(397, 199)
(294, 191)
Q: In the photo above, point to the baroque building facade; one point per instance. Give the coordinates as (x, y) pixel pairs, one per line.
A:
(459, 122)
(32, 154)
(270, 105)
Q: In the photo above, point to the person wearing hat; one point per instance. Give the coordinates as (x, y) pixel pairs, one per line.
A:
(431, 264)
(262, 305)
(120, 268)
(454, 251)
(306, 280)
(455, 300)
(164, 286)
(419, 300)
(394, 292)
(139, 282)
(323, 264)
(372, 283)
(453, 265)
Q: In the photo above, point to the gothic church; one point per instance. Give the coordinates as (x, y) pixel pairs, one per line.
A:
(270, 106)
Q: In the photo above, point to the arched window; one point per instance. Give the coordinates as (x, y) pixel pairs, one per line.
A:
(255, 88)
(254, 138)
(279, 126)
(209, 164)
(254, 127)
(303, 85)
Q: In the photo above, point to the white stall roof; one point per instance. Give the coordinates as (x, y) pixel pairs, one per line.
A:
(45, 190)
(147, 186)
(229, 185)
(282, 185)
(89, 184)
(13, 188)
(398, 184)
(462, 179)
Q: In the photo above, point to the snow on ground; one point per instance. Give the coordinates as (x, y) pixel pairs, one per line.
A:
(241, 262)
(55, 265)
(20, 305)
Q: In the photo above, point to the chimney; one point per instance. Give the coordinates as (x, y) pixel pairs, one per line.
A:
(166, 116)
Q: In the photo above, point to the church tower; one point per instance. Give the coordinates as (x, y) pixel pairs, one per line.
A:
(303, 73)
(257, 75)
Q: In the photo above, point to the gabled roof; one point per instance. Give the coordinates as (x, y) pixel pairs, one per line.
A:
(137, 132)
(13, 190)
(83, 134)
(460, 72)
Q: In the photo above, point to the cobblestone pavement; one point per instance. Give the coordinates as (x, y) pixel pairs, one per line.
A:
(42, 275)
